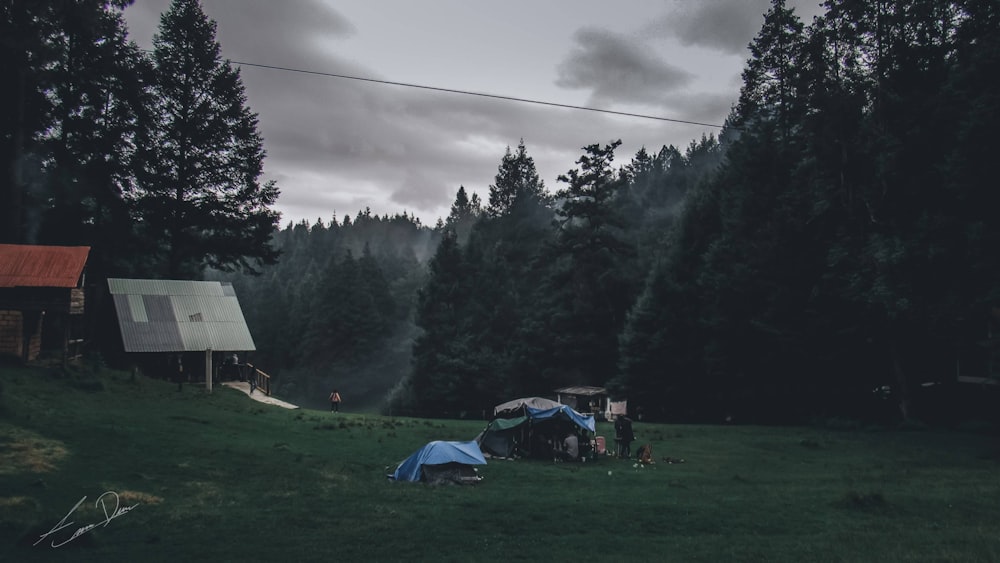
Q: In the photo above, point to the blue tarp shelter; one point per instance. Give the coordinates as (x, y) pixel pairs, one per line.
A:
(440, 460)
(529, 430)
(564, 412)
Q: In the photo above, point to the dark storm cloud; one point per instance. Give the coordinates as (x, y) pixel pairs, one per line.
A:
(256, 30)
(336, 146)
(368, 144)
(333, 145)
(704, 107)
(616, 69)
(285, 27)
(726, 26)
(416, 148)
(721, 25)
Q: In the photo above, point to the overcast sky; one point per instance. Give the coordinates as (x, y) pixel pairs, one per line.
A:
(336, 146)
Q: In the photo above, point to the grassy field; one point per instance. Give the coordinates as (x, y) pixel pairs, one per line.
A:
(218, 476)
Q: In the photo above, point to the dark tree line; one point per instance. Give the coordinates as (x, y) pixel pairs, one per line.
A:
(539, 291)
(838, 236)
(841, 235)
(151, 159)
(154, 160)
(843, 244)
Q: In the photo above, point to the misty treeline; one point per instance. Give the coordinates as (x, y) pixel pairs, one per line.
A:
(337, 308)
(839, 235)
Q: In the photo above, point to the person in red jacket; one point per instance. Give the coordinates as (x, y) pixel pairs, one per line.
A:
(335, 401)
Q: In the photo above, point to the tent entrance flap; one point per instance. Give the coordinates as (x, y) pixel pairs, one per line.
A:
(503, 437)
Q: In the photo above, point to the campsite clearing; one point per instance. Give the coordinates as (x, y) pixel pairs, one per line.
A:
(218, 476)
(534, 427)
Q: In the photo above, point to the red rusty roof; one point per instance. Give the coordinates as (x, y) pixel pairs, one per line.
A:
(25, 265)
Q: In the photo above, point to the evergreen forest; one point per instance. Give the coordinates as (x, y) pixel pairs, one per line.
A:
(831, 252)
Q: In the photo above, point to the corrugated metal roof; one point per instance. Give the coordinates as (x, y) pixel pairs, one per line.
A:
(119, 286)
(582, 390)
(179, 316)
(26, 265)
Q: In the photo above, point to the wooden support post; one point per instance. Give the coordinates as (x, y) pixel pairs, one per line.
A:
(208, 370)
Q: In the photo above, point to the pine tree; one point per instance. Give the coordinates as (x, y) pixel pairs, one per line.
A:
(99, 98)
(588, 289)
(378, 312)
(201, 200)
(465, 211)
(443, 374)
(502, 258)
(29, 46)
(516, 183)
(769, 78)
(660, 364)
(67, 102)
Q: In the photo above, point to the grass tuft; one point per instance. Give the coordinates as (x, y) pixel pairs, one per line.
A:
(866, 502)
(912, 426)
(190, 419)
(24, 451)
(990, 455)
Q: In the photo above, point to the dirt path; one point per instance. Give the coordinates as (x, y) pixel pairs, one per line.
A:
(257, 395)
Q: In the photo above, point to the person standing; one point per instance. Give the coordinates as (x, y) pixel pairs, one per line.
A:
(619, 424)
(180, 373)
(627, 437)
(335, 401)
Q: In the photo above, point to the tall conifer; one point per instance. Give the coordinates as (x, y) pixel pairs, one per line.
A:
(201, 199)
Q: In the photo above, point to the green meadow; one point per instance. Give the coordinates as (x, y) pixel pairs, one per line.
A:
(199, 476)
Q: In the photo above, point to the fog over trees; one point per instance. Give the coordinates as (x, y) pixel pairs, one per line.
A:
(839, 235)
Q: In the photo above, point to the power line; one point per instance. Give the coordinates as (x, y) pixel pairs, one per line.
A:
(480, 94)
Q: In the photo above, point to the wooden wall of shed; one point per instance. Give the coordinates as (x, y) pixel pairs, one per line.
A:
(12, 335)
(76, 301)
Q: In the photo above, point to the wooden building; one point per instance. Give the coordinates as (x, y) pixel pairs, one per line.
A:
(38, 282)
(584, 399)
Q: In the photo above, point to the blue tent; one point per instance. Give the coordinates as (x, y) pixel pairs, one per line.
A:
(564, 412)
(438, 455)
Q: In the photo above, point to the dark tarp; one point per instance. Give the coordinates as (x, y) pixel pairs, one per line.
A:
(518, 406)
